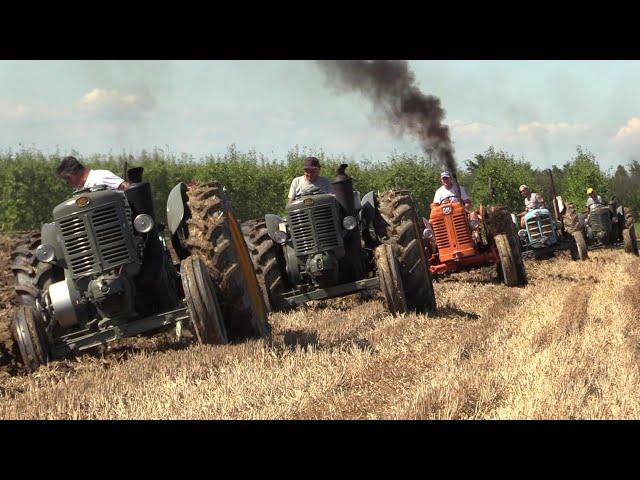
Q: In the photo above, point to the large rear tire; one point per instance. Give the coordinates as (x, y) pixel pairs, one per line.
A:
(267, 258)
(31, 338)
(579, 249)
(403, 234)
(509, 262)
(32, 277)
(202, 302)
(630, 243)
(214, 235)
(390, 279)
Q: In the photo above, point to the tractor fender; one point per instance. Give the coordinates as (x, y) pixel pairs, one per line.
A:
(176, 212)
(273, 224)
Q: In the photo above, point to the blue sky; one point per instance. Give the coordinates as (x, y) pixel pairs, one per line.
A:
(539, 110)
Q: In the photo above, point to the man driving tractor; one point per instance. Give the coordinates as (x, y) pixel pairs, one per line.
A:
(594, 199)
(447, 192)
(78, 176)
(532, 201)
(310, 181)
(450, 193)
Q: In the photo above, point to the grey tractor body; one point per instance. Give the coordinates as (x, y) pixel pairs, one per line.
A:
(115, 274)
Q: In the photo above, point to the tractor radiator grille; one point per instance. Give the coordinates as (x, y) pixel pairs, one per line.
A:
(463, 236)
(462, 228)
(599, 220)
(314, 230)
(80, 255)
(440, 233)
(110, 248)
(110, 237)
(540, 226)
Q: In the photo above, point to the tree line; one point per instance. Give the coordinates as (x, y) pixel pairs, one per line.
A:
(29, 188)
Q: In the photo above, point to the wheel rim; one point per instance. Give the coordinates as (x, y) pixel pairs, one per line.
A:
(33, 351)
(202, 303)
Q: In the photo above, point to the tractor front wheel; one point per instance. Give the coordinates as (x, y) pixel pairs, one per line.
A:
(390, 279)
(511, 267)
(202, 302)
(30, 335)
(579, 248)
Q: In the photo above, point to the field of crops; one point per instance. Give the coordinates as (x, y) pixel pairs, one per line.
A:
(565, 346)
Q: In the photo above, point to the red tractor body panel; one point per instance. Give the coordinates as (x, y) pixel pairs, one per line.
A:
(456, 249)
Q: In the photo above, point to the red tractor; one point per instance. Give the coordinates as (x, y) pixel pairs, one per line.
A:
(454, 242)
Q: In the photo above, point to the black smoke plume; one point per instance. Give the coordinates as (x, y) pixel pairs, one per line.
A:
(391, 85)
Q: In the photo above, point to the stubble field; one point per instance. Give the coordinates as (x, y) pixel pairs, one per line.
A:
(566, 346)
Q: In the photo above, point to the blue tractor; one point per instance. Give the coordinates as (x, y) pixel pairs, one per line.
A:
(543, 235)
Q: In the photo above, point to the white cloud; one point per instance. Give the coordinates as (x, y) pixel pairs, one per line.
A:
(21, 112)
(533, 129)
(461, 127)
(630, 131)
(114, 103)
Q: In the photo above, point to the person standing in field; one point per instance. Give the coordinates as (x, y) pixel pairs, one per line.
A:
(78, 176)
(309, 182)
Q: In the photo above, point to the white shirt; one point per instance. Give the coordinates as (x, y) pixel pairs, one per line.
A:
(300, 185)
(443, 193)
(103, 177)
(592, 204)
(534, 202)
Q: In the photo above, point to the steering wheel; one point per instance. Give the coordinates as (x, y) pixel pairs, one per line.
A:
(447, 199)
(96, 188)
(316, 191)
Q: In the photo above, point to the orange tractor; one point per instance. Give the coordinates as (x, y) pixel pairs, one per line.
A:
(455, 243)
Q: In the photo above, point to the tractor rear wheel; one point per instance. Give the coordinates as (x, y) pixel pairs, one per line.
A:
(403, 234)
(214, 235)
(30, 335)
(513, 274)
(579, 248)
(390, 279)
(630, 244)
(32, 276)
(267, 258)
(202, 302)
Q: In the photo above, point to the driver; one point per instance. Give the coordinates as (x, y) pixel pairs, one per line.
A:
(532, 201)
(447, 193)
(311, 180)
(78, 176)
(594, 199)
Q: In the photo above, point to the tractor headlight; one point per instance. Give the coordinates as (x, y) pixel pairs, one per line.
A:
(143, 223)
(473, 224)
(45, 253)
(427, 233)
(349, 223)
(280, 237)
